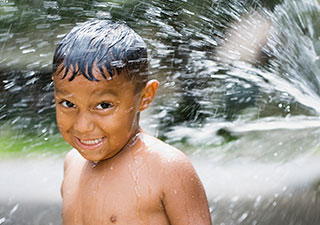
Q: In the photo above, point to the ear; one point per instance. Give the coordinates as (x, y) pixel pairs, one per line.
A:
(149, 92)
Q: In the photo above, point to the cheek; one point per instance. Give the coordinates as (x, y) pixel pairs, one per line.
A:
(63, 121)
(118, 126)
(127, 118)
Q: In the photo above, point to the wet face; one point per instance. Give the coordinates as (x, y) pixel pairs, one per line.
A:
(97, 118)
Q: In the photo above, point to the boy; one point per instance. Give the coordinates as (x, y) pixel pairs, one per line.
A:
(117, 174)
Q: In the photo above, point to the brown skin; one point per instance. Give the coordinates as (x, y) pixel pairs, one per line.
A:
(116, 173)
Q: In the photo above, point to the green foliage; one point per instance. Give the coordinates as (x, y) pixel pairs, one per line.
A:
(13, 144)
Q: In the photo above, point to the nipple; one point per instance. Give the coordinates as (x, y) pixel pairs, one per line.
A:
(113, 219)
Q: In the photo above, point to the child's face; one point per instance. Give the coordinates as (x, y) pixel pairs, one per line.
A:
(96, 118)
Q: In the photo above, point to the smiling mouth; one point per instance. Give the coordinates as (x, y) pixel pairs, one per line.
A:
(89, 144)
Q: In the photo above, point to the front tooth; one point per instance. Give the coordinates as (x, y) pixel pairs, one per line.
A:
(91, 142)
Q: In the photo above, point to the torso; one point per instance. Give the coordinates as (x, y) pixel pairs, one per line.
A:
(124, 190)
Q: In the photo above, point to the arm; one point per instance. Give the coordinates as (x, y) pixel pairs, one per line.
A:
(67, 161)
(184, 197)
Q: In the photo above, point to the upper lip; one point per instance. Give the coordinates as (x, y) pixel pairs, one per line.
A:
(89, 139)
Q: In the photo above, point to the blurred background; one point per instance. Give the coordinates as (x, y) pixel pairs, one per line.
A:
(239, 94)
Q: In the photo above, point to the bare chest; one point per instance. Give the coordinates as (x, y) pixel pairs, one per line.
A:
(110, 195)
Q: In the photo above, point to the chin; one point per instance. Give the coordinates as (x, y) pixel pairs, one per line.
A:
(90, 157)
(94, 157)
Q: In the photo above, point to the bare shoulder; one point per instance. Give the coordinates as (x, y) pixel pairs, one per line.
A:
(71, 157)
(169, 156)
(182, 191)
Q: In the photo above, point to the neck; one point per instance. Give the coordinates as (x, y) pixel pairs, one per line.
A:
(133, 140)
(135, 137)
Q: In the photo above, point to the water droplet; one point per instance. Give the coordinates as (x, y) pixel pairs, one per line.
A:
(258, 199)
(274, 204)
(235, 199)
(287, 109)
(2, 220)
(284, 188)
(94, 164)
(14, 209)
(242, 217)
(9, 85)
(26, 51)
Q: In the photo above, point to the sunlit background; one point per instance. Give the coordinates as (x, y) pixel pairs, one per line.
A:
(239, 94)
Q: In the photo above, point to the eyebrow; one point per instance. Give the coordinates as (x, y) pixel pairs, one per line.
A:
(101, 93)
(60, 91)
(98, 93)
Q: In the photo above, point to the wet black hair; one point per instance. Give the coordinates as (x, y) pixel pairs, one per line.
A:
(113, 46)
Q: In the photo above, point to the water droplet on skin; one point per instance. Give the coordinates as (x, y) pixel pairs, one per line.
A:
(135, 176)
(129, 110)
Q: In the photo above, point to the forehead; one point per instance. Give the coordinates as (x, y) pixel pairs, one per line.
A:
(117, 84)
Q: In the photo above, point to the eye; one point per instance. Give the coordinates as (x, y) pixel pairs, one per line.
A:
(67, 104)
(104, 105)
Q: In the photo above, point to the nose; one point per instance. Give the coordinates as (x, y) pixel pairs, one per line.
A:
(83, 123)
